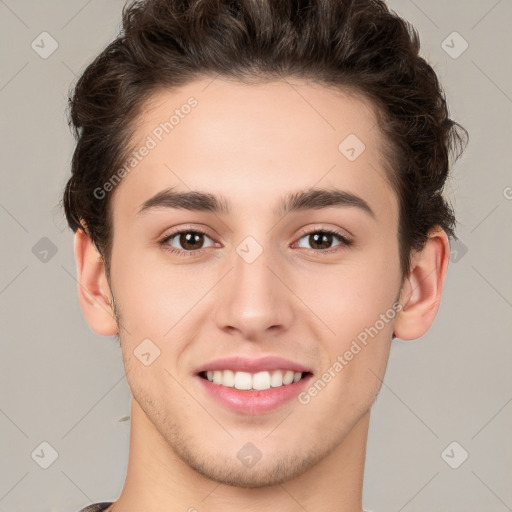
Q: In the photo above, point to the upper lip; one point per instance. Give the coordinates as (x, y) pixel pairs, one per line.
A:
(252, 365)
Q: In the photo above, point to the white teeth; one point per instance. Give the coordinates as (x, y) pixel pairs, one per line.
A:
(255, 381)
(228, 378)
(243, 380)
(288, 377)
(261, 380)
(276, 379)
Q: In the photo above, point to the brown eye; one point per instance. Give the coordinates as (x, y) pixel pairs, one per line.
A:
(188, 240)
(322, 240)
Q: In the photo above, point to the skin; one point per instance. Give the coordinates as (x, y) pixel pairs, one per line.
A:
(254, 144)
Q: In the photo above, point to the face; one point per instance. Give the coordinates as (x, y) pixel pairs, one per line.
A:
(261, 288)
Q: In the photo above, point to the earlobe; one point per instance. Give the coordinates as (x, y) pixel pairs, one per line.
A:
(421, 292)
(93, 289)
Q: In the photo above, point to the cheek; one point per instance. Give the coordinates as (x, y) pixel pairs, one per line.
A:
(351, 296)
(357, 305)
(153, 297)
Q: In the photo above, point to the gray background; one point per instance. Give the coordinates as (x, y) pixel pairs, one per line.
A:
(63, 385)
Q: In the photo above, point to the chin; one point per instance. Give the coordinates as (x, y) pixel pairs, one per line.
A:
(266, 472)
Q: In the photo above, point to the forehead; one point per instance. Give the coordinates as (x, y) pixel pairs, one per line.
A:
(256, 142)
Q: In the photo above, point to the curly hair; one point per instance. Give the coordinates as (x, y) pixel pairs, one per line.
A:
(356, 45)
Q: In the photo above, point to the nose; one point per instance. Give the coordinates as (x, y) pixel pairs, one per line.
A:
(254, 299)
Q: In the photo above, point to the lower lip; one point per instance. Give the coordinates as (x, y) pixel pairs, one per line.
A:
(254, 402)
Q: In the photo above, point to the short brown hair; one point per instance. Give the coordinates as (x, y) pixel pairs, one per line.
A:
(356, 45)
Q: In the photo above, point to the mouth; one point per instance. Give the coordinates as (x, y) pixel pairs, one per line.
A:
(253, 386)
(247, 381)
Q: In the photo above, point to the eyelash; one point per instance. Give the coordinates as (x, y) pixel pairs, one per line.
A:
(342, 238)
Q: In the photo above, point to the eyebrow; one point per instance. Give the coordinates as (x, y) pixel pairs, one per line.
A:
(310, 199)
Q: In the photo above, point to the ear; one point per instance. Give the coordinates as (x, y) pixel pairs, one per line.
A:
(421, 291)
(93, 289)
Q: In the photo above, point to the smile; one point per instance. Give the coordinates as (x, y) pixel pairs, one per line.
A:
(252, 381)
(253, 385)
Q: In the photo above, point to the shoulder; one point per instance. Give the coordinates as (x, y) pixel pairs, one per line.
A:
(96, 507)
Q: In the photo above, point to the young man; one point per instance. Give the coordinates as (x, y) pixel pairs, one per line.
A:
(257, 198)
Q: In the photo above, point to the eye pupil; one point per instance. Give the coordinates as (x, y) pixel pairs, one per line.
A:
(185, 239)
(326, 239)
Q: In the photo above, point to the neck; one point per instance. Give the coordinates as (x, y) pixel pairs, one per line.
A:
(158, 480)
